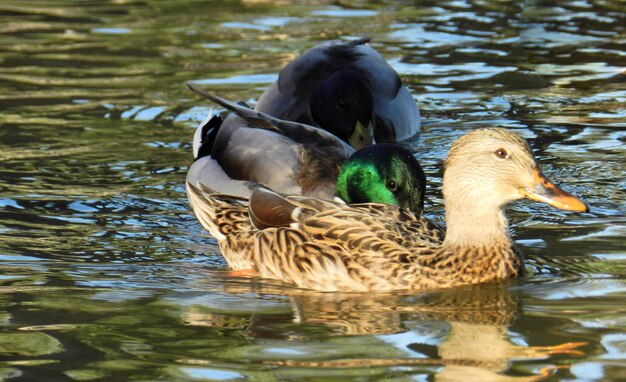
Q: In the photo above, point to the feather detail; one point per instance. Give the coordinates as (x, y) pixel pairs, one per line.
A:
(332, 246)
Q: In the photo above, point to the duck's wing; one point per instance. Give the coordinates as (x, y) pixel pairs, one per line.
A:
(234, 158)
(270, 209)
(312, 243)
(352, 226)
(377, 245)
(336, 220)
(322, 245)
(243, 155)
(396, 119)
(208, 172)
(258, 155)
(289, 97)
(396, 113)
(298, 132)
(289, 157)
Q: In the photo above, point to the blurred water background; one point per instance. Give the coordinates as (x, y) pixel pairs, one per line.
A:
(106, 275)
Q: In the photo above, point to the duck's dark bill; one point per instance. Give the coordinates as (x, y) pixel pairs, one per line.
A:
(545, 191)
(362, 136)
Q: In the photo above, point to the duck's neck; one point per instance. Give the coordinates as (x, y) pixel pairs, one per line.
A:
(478, 245)
(471, 225)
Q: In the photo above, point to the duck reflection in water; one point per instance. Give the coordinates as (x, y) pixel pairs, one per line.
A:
(471, 324)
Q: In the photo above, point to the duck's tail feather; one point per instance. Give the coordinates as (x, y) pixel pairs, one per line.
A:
(361, 41)
(222, 215)
(256, 118)
(205, 134)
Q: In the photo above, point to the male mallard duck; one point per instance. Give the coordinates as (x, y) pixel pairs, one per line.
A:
(331, 246)
(344, 88)
(250, 148)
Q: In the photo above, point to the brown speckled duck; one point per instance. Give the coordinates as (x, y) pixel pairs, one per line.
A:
(331, 246)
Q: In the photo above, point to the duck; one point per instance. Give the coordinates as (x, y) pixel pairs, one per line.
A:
(346, 88)
(331, 246)
(249, 149)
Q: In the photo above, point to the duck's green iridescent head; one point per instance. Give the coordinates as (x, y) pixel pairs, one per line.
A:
(383, 173)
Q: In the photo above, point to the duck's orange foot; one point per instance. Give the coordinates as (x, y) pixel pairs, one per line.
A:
(242, 273)
(566, 348)
(549, 371)
(569, 348)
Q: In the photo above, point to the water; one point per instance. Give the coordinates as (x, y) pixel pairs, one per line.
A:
(106, 275)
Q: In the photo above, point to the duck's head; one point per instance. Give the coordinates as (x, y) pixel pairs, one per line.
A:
(343, 104)
(489, 168)
(383, 173)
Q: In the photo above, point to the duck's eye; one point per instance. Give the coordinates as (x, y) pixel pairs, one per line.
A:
(501, 153)
(341, 104)
(392, 186)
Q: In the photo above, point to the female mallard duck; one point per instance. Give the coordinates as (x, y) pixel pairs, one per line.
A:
(346, 88)
(331, 246)
(250, 148)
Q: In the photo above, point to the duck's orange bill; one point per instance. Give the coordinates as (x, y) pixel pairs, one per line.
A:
(545, 191)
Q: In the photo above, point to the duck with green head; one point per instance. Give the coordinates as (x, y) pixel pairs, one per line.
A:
(332, 246)
(383, 173)
(250, 148)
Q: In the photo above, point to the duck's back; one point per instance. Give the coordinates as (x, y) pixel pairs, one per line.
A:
(250, 148)
(242, 153)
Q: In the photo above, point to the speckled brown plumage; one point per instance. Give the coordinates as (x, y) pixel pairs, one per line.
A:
(331, 246)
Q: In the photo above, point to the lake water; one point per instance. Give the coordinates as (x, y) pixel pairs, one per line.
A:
(106, 275)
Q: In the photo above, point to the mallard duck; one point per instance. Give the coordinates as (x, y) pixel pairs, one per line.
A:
(330, 246)
(250, 148)
(345, 88)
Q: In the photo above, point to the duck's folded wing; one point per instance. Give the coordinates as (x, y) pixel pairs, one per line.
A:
(268, 208)
(298, 132)
(208, 172)
(260, 156)
(335, 219)
(290, 96)
(303, 75)
(396, 118)
(367, 226)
